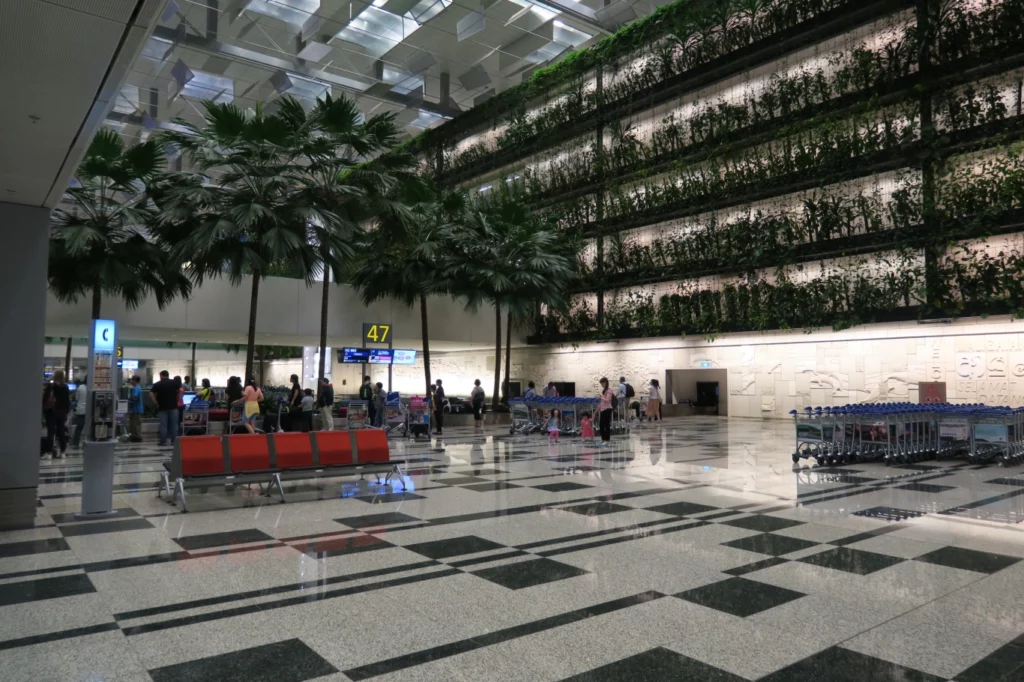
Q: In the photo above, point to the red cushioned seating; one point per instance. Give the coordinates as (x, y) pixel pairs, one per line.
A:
(372, 446)
(294, 450)
(201, 455)
(335, 447)
(249, 452)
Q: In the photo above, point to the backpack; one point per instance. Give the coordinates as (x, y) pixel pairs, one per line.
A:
(629, 391)
(615, 401)
(49, 399)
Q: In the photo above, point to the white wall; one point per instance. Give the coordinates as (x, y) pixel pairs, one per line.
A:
(287, 308)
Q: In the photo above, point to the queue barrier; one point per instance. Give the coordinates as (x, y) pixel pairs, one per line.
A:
(200, 461)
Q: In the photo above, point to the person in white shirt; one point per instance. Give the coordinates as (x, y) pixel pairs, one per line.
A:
(654, 401)
(81, 395)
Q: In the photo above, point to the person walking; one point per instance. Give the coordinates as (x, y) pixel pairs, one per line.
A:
(380, 399)
(234, 391)
(165, 395)
(439, 406)
(326, 402)
(56, 406)
(654, 401)
(187, 384)
(531, 391)
(181, 401)
(550, 391)
(135, 410)
(253, 396)
(605, 413)
(477, 397)
(78, 420)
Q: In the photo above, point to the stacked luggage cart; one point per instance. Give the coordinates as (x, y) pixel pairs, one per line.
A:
(531, 416)
(901, 433)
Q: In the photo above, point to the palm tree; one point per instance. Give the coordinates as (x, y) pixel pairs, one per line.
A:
(98, 242)
(406, 260)
(510, 257)
(337, 188)
(232, 217)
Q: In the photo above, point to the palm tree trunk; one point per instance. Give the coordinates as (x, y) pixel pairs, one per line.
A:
(195, 379)
(323, 322)
(67, 359)
(426, 342)
(251, 344)
(263, 367)
(508, 358)
(97, 299)
(497, 354)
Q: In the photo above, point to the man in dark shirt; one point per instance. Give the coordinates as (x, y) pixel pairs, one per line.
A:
(326, 402)
(165, 395)
(439, 407)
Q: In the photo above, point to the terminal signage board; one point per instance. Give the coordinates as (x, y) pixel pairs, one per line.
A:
(376, 332)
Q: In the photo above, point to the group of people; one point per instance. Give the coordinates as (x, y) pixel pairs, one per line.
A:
(169, 396)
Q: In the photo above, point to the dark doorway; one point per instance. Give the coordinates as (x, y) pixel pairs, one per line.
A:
(566, 389)
(707, 396)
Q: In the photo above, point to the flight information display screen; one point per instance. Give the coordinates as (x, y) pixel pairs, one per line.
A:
(380, 356)
(354, 355)
(404, 357)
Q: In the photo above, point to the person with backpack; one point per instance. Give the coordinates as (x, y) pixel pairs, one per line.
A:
(366, 395)
(626, 395)
(608, 402)
(477, 397)
(380, 405)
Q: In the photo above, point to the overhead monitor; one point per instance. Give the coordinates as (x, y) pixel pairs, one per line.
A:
(356, 356)
(404, 357)
(380, 356)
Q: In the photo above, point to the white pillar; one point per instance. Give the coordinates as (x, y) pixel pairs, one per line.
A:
(23, 262)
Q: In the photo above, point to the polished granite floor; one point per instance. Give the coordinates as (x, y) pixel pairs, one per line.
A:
(688, 551)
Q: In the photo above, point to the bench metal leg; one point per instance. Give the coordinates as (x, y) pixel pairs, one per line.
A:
(165, 485)
(275, 481)
(181, 491)
(400, 474)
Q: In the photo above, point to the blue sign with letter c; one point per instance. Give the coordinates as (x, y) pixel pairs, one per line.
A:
(104, 334)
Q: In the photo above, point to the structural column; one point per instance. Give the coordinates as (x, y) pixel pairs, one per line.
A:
(23, 262)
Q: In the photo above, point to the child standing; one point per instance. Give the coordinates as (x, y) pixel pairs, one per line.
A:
(307, 410)
(553, 425)
(587, 427)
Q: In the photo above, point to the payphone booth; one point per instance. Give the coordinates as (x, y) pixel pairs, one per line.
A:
(100, 422)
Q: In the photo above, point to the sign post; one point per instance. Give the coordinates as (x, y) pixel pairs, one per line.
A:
(100, 422)
(376, 332)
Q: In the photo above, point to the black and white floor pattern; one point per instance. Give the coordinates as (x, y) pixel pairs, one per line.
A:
(689, 551)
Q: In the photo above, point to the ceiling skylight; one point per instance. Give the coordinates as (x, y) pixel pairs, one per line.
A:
(565, 37)
(293, 12)
(156, 49)
(427, 119)
(202, 85)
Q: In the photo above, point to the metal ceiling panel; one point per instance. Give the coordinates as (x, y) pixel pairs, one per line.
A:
(115, 10)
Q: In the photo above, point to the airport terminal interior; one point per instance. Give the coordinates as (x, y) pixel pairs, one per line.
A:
(501, 340)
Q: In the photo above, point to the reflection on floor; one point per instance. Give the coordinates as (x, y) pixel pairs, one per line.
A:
(687, 551)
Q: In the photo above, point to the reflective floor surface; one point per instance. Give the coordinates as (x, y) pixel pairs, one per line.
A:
(693, 550)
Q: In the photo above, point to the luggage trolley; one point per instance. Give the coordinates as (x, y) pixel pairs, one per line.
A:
(520, 416)
(419, 417)
(396, 416)
(124, 433)
(196, 419)
(358, 414)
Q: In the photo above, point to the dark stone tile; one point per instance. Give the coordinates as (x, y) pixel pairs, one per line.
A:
(384, 498)
(562, 487)
(529, 573)
(57, 636)
(490, 486)
(385, 519)
(45, 588)
(757, 566)
(767, 543)
(287, 661)
(765, 524)
(1005, 663)
(968, 559)
(97, 527)
(739, 596)
(9, 549)
(925, 487)
(889, 513)
(479, 472)
(682, 508)
(852, 560)
(70, 518)
(661, 665)
(1018, 481)
(859, 537)
(842, 665)
(461, 480)
(234, 537)
(348, 544)
(596, 508)
(917, 467)
(443, 549)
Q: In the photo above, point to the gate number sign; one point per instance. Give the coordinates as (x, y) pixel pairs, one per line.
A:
(376, 333)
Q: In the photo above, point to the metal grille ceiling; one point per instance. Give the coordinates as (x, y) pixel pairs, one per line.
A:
(426, 59)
